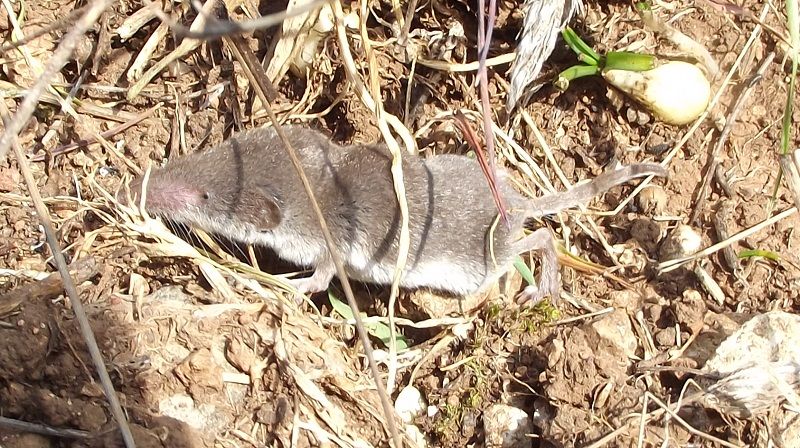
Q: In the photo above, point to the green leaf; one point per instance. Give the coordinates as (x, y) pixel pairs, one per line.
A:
(769, 255)
(340, 307)
(377, 330)
(524, 271)
(582, 49)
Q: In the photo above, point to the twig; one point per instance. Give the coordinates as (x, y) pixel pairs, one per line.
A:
(105, 134)
(384, 119)
(404, 242)
(467, 66)
(102, 46)
(255, 73)
(671, 265)
(691, 429)
(14, 91)
(664, 409)
(52, 285)
(57, 61)
(69, 285)
(364, 93)
(216, 28)
(145, 54)
(713, 157)
(36, 428)
(402, 40)
(745, 14)
(526, 117)
(58, 24)
(720, 222)
(186, 46)
(709, 284)
(484, 38)
(134, 22)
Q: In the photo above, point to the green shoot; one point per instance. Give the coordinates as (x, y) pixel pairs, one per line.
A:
(594, 63)
(377, 329)
(793, 23)
(752, 253)
(585, 53)
(626, 60)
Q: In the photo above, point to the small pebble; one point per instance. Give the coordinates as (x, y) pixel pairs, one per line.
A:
(647, 233)
(681, 242)
(652, 200)
(665, 337)
(506, 427)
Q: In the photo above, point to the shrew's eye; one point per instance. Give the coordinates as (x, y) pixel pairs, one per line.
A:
(206, 195)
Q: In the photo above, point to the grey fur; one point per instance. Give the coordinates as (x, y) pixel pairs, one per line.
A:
(255, 196)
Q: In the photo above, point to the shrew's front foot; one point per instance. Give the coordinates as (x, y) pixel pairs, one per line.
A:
(317, 282)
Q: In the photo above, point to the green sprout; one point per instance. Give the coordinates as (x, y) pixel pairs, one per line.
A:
(753, 253)
(594, 63)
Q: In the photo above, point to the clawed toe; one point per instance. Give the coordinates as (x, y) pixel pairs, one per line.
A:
(533, 294)
(303, 287)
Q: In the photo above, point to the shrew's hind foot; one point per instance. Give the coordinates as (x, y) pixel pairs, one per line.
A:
(549, 281)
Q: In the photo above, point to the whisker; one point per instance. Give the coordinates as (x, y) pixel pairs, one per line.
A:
(185, 233)
(173, 228)
(234, 249)
(223, 243)
(180, 230)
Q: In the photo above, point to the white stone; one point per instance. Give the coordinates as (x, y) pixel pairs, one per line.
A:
(410, 404)
(416, 436)
(758, 365)
(507, 427)
(615, 327)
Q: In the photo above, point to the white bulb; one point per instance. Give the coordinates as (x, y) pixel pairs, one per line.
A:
(676, 92)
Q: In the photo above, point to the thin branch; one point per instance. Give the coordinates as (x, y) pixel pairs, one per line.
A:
(215, 28)
(45, 430)
(50, 286)
(404, 242)
(58, 24)
(105, 134)
(454, 67)
(713, 161)
(671, 265)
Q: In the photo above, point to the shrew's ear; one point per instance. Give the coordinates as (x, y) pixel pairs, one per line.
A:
(262, 209)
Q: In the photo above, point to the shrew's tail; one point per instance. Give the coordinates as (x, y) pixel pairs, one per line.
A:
(555, 202)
